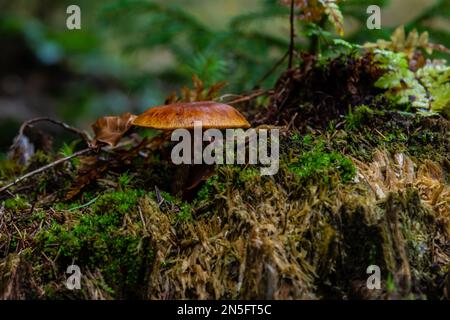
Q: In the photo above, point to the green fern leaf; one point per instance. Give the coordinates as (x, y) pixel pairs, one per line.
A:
(334, 15)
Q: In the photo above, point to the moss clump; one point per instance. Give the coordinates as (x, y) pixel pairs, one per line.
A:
(108, 237)
(16, 204)
(212, 186)
(9, 169)
(367, 129)
(248, 174)
(355, 118)
(314, 162)
(185, 213)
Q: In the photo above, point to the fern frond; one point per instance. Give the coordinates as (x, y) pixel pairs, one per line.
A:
(334, 15)
(408, 44)
(427, 89)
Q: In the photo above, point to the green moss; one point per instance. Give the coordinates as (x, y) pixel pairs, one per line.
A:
(16, 204)
(68, 150)
(248, 174)
(125, 180)
(212, 186)
(419, 136)
(185, 213)
(39, 159)
(318, 164)
(110, 237)
(390, 284)
(355, 118)
(9, 169)
(38, 215)
(167, 196)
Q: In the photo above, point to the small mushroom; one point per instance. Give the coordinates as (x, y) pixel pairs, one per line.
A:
(212, 115)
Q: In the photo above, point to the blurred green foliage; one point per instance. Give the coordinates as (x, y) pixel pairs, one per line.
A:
(130, 54)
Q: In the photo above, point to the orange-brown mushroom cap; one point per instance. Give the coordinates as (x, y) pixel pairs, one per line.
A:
(183, 115)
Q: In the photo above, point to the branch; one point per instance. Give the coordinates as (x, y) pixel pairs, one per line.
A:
(65, 126)
(249, 97)
(59, 161)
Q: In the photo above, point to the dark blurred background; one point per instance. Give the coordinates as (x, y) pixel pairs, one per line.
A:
(129, 55)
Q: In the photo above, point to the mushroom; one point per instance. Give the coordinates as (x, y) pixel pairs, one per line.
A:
(183, 115)
(212, 115)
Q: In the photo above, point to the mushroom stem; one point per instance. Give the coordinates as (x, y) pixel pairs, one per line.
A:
(183, 171)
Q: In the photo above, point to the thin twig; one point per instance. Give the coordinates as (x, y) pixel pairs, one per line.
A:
(10, 193)
(142, 218)
(44, 168)
(59, 161)
(291, 123)
(292, 44)
(227, 95)
(249, 97)
(65, 126)
(32, 206)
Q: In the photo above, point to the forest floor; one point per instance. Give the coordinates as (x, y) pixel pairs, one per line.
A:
(359, 186)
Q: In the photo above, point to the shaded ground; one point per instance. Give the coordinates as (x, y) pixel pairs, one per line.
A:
(359, 184)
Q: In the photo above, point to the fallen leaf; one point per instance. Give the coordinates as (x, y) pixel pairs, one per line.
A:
(111, 129)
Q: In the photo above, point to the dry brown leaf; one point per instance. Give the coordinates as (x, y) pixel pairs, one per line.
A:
(111, 129)
(198, 93)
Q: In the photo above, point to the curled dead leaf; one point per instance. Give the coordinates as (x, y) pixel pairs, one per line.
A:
(111, 129)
